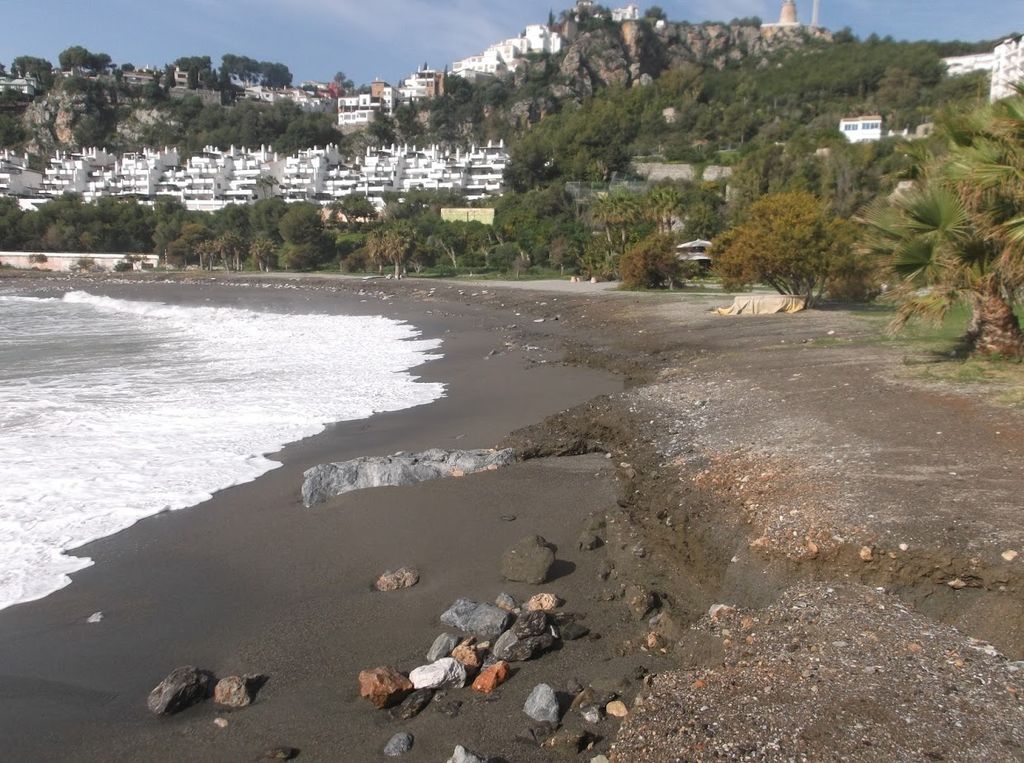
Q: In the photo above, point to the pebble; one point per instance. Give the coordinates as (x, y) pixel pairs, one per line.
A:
(414, 704)
(616, 709)
(96, 617)
(1009, 555)
(404, 577)
(542, 602)
(866, 554)
(398, 745)
(507, 602)
(220, 723)
(462, 755)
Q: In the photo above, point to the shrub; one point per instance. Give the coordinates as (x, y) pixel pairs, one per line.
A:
(652, 264)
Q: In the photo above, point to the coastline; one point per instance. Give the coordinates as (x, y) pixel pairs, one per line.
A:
(250, 581)
(762, 489)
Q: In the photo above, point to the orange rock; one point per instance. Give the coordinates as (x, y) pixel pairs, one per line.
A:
(492, 678)
(468, 654)
(384, 686)
(866, 553)
(699, 684)
(542, 602)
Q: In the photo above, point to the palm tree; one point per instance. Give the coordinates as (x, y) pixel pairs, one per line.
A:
(263, 252)
(618, 213)
(389, 245)
(662, 204)
(958, 236)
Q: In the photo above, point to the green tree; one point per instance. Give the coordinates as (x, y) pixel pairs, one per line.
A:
(788, 241)
(305, 245)
(30, 66)
(77, 57)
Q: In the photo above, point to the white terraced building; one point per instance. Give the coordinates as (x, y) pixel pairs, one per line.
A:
(218, 178)
(507, 54)
(1005, 64)
(16, 178)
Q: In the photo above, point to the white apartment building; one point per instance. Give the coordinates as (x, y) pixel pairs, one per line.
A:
(139, 174)
(861, 129)
(83, 173)
(16, 179)
(979, 62)
(1005, 64)
(507, 54)
(218, 178)
(629, 13)
(1008, 68)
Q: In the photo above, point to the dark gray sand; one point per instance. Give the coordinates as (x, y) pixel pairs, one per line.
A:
(251, 582)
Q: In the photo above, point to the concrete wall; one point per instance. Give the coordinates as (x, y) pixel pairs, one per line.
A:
(655, 171)
(64, 262)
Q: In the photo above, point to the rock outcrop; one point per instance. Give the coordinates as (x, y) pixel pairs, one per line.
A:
(321, 483)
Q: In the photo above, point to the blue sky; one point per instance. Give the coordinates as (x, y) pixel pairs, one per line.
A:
(389, 38)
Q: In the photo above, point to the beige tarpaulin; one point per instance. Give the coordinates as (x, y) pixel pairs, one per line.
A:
(764, 304)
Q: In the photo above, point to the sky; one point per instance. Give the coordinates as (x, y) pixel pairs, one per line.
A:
(391, 38)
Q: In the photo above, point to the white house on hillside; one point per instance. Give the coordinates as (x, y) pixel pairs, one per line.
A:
(861, 129)
(507, 54)
(629, 13)
(1008, 69)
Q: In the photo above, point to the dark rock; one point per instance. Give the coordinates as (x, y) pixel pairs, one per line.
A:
(183, 687)
(281, 753)
(485, 621)
(321, 483)
(451, 707)
(640, 601)
(588, 541)
(572, 631)
(542, 704)
(528, 561)
(442, 647)
(513, 649)
(398, 745)
(413, 704)
(573, 740)
(530, 624)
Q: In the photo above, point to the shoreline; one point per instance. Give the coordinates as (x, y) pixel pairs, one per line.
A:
(206, 559)
(758, 482)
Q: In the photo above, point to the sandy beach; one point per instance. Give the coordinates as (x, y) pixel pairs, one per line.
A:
(252, 582)
(797, 562)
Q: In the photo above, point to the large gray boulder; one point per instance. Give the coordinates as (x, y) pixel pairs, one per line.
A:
(485, 621)
(321, 483)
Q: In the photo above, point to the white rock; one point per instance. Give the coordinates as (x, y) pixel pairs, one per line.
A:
(446, 673)
(95, 617)
(1010, 555)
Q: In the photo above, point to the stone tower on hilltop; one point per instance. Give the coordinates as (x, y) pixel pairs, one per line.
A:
(788, 15)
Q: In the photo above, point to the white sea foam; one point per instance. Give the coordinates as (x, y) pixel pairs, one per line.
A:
(114, 410)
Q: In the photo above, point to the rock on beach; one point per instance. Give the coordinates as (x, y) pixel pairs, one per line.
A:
(529, 560)
(182, 688)
(442, 647)
(446, 673)
(384, 686)
(326, 481)
(485, 621)
(404, 577)
(542, 704)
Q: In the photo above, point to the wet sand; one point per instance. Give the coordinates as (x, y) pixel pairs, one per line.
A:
(251, 582)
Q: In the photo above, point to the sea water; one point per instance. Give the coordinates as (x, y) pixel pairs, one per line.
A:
(114, 410)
